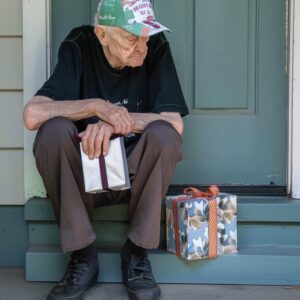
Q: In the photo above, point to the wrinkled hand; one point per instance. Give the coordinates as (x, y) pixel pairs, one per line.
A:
(117, 116)
(95, 139)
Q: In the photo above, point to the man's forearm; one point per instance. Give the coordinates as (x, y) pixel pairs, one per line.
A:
(41, 109)
(143, 119)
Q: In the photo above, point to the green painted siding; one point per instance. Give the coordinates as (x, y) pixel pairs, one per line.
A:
(11, 18)
(11, 120)
(11, 74)
(11, 177)
(13, 236)
(11, 103)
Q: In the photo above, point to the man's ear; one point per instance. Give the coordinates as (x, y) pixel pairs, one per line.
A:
(101, 33)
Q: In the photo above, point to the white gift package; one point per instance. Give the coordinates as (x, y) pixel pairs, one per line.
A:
(108, 172)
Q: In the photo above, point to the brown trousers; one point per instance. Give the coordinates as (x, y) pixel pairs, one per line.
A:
(152, 162)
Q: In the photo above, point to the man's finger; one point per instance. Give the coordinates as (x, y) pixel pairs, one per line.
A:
(84, 139)
(117, 125)
(123, 121)
(123, 126)
(128, 117)
(129, 122)
(106, 141)
(91, 142)
(127, 128)
(98, 142)
(126, 122)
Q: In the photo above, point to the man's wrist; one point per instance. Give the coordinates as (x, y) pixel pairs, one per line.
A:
(95, 107)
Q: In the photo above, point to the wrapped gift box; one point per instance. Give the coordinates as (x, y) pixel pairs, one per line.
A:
(109, 172)
(191, 227)
(201, 227)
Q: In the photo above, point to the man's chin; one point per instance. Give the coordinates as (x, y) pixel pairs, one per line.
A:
(135, 63)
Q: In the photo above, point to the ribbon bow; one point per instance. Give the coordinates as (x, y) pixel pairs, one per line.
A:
(212, 191)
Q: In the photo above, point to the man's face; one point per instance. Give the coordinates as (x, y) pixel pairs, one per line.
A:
(127, 48)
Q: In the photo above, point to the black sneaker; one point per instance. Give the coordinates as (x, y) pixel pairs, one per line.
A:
(138, 278)
(80, 275)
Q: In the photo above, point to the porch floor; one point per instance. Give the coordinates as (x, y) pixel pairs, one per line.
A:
(14, 287)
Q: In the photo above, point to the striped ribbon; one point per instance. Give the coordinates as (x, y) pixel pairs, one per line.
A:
(103, 173)
(102, 166)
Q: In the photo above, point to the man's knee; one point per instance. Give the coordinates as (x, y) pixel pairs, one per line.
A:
(163, 137)
(57, 131)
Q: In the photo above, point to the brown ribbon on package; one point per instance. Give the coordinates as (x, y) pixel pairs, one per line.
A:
(103, 172)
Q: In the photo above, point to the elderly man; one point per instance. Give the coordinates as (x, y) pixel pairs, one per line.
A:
(117, 77)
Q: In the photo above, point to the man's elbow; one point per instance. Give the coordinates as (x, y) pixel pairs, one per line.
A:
(28, 117)
(180, 126)
(175, 119)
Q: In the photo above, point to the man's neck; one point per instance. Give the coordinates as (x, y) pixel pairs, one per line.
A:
(113, 61)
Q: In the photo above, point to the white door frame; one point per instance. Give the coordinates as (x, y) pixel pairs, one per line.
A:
(36, 54)
(294, 97)
(36, 18)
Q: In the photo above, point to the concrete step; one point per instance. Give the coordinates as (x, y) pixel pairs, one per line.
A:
(261, 221)
(268, 239)
(249, 233)
(264, 265)
(250, 209)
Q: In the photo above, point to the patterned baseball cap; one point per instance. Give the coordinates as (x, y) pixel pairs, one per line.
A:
(135, 16)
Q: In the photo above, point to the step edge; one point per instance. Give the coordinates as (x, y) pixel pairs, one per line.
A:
(115, 248)
(247, 212)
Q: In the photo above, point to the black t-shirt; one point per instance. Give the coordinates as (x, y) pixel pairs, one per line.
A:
(83, 72)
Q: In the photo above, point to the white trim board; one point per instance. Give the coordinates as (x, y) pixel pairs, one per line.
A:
(34, 74)
(295, 99)
(36, 20)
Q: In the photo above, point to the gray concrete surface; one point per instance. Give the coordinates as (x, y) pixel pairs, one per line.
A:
(14, 287)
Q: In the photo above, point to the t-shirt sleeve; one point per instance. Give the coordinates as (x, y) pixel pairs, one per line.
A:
(64, 83)
(165, 93)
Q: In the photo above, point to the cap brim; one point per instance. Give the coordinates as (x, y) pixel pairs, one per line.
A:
(146, 28)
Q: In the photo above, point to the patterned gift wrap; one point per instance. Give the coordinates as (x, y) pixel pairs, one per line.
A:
(192, 226)
(227, 223)
(201, 227)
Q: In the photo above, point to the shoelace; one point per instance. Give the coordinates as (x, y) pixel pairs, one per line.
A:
(75, 271)
(139, 267)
